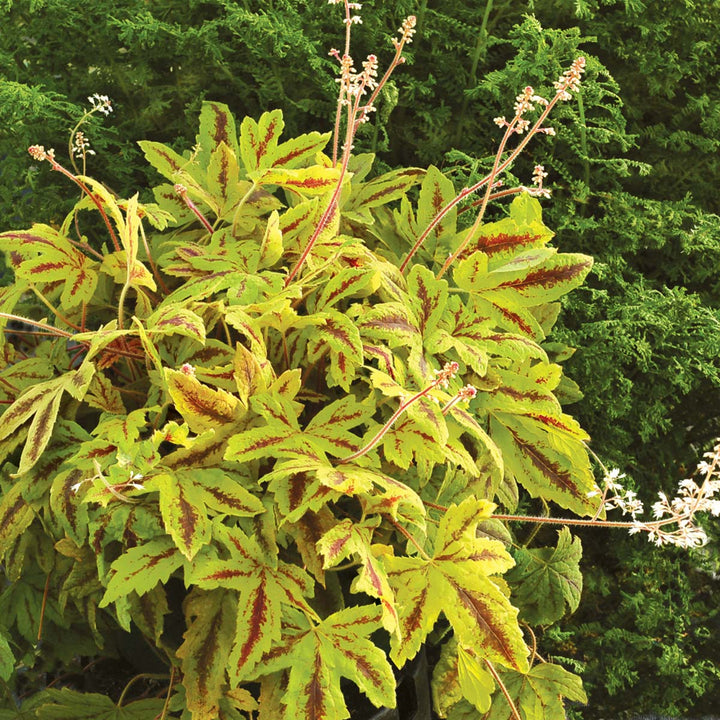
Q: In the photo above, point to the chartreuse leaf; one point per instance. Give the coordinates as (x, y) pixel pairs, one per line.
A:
(503, 240)
(537, 692)
(184, 499)
(210, 619)
(351, 538)
(42, 402)
(445, 685)
(259, 140)
(271, 248)
(48, 256)
(476, 682)
(202, 407)
(15, 516)
(307, 182)
(217, 125)
(141, 568)
(428, 297)
(344, 284)
(545, 580)
(553, 465)
(264, 586)
(7, 659)
(183, 512)
(381, 190)
(68, 704)
(436, 192)
(223, 175)
(459, 674)
(164, 159)
(531, 278)
(174, 319)
(299, 151)
(136, 274)
(456, 581)
(330, 427)
(328, 432)
(319, 655)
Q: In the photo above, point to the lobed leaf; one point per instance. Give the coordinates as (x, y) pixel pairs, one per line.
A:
(547, 466)
(539, 693)
(217, 125)
(300, 150)
(210, 620)
(547, 579)
(141, 568)
(259, 140)
(201, 407)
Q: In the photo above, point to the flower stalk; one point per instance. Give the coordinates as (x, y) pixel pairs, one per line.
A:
(567, 83)
(39, 153)
(182, 191)
(353, 87)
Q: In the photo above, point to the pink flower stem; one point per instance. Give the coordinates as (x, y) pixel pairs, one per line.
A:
(496, 196)
(181, 190)
(341, 94)
(443, 376)
(493, 174)
(57, 166)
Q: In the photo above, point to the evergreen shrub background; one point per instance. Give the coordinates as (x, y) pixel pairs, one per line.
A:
(634, 173)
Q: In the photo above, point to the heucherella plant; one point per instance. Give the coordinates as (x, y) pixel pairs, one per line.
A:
(287, 407)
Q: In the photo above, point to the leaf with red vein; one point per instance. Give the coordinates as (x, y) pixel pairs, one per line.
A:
(225, 495)
(217, 125)
(297, 490)
(340, 333)
(247, 374)
(331, 425)
(103, 395)
(41, 402)
(556, 471)
(306, 533)
(350, 538)
(259, 139)
(15, 516)
(456, 580)
(141, 568)
(223, 175)
(319, 655)
(164, 159)
(64, 502)
(268, 441)
(183, 512)
(46, 255)
(385, 188)
(174, 319)
(542, 283)
(428, 296)
(202, 407)
(436, 192)
(392, 322)
(308, 182)
(263, 591)
(519, 394)
(210, 620)
(344, 284)
(300, 150)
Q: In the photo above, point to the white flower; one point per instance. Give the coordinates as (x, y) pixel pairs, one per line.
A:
(100, 103)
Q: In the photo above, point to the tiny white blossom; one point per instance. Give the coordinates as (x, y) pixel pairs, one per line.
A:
(100, 103)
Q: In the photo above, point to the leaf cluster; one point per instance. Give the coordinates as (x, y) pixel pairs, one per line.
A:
(286, 469)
